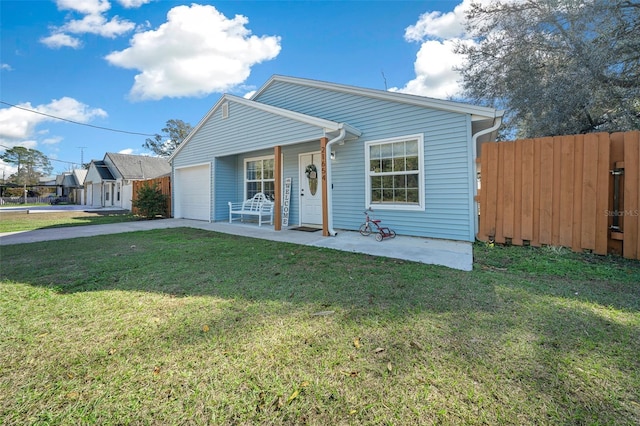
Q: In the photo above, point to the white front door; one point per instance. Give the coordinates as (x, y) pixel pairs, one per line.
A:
(310, 189)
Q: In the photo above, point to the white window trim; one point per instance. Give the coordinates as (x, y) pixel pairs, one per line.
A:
(421, 184)
(244, 177)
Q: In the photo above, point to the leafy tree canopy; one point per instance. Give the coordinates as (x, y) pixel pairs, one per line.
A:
(556, 66)
(172, 136)
(31, 163)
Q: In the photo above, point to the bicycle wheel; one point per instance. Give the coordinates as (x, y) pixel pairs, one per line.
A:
(393, 233)
(365, 229)
(379, 236)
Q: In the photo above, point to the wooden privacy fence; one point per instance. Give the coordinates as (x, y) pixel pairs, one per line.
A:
(578, 191)
(164, 185)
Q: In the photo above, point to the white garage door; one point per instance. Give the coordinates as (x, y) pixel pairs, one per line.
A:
(193, 193)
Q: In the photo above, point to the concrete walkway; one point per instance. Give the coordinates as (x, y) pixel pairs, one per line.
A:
(453, 254)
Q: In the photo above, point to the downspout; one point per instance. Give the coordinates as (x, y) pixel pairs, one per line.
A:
(474, 141)
(327, 154)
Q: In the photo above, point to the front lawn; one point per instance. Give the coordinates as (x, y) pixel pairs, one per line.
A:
(13, 221)
(185, 326)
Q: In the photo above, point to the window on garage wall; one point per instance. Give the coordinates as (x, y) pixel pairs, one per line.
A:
(259, 176)
(394, 173)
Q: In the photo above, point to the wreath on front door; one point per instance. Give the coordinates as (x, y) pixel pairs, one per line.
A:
(311, 171)
(312, 174)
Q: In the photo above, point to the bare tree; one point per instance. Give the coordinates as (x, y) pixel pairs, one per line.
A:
(556, 66)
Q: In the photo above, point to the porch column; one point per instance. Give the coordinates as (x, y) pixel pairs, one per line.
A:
(325, 211)
(277, 188)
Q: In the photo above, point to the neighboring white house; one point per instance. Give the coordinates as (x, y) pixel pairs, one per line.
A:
(70, 185)
(109, 182)
(343, 149)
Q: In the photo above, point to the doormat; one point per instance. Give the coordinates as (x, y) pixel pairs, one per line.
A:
(305, 229)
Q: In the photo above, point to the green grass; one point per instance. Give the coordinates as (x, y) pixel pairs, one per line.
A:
(13, 221)
(184, 326)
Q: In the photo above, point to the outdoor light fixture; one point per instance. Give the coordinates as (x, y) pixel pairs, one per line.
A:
(333, 155)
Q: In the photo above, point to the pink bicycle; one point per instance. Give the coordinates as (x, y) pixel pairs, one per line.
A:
(367, 228)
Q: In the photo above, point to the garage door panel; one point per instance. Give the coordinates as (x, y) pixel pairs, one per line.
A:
(192, 192)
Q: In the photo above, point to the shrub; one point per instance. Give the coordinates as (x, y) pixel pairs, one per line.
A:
(150, 202)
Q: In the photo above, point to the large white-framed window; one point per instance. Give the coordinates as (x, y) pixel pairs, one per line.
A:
(394, 178)
(259, 176)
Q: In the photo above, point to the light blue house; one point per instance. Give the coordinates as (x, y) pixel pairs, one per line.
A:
(325, 152)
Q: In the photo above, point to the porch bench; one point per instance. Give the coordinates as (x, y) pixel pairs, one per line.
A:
(259, 205)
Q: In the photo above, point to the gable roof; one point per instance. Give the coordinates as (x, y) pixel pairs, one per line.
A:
(477, 112)
(328, 125)
(80, 175)
(103, 170)
(481, 117)
(72, 179)
(138, 166)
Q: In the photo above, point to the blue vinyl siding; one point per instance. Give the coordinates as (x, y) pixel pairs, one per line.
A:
(447, 166)
(224, 183)
(246, 129)
(289, 169)
(448, 176)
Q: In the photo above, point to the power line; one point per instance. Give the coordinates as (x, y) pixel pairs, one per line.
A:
(47, 157)
(75, 122)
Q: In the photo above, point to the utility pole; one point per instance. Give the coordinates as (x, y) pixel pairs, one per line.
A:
(81, 155)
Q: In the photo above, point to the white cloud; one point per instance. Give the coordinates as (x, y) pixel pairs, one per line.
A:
(94, 21)
(18, 126)
(58, 40)
(438, 25)
(86, 7)
(98, 24)
(126, 151)
(248, 95)
(196, 52)
(434, 68)
(71, 109)
(5, 67)
(438, 34)
(129, 4)
(52, 141)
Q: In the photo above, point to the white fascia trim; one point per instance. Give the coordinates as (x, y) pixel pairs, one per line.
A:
(422, 101)
(327, 125)
(190, 166)
(198, 126)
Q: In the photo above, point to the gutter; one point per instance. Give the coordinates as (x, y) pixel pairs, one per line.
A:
(328, 160)
(497, 122)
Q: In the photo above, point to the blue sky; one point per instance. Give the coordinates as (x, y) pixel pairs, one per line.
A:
(131, 65)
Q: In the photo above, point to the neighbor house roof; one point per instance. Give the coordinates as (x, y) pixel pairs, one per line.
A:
(103, 170)
(80, 175)
(138, 166)
(72, 179)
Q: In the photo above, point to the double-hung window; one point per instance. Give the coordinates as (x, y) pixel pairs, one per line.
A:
(394, 173)
(259, 177)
